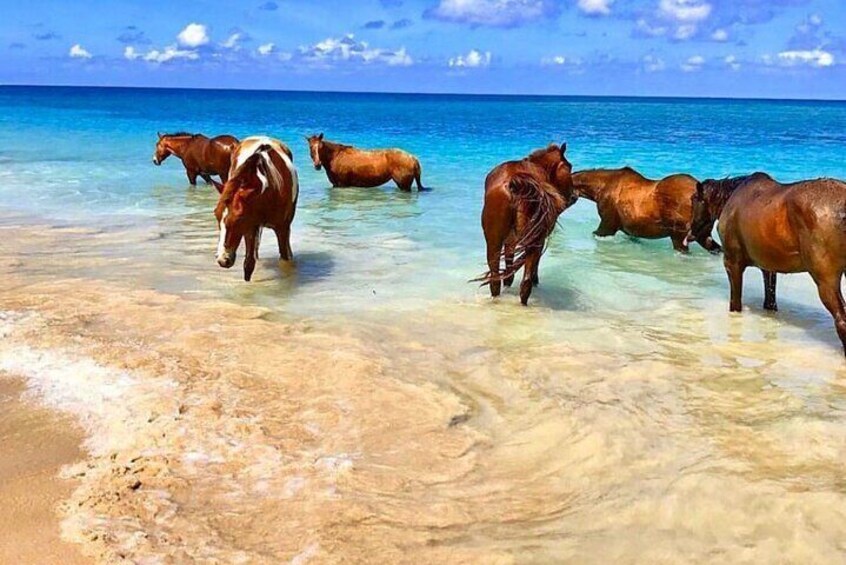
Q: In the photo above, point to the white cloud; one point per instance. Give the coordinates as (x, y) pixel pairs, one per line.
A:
(644, 27)
(653, 64)
(720, 35)
(194, 35)
(265, 49)
(79, 52)
(693, 64)
(232, 41)
(732, 62)
(595, 7)
(348, 49)
(560, 61)
(473, 59)
(130, 53)
(692, 11)
(170, 53)
(814, 58)
(497, 13)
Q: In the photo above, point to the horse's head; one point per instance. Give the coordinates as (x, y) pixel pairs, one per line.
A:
(162, 151)
(315, 142)
(706, 208)
(554, 159)
(236, 213)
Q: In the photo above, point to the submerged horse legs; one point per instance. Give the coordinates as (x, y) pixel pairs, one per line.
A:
(829, 289)
(192, 176)
(679, 243)
(252, 241)
(509, 261)
(609, 223)
(283, 238)
(770, 302)
(735, 269)
(530, 270)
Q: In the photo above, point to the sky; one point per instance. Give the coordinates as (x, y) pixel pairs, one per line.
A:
(725, 48)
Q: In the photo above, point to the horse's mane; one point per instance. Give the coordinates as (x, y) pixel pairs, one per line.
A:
(727, 186)
(540, 154)
(181, 134)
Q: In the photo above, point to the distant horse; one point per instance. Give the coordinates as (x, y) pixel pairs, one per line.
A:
(262, 190)
(523, 200)
(641, 207)
(779, 228)
(201, 156)
(347, 166)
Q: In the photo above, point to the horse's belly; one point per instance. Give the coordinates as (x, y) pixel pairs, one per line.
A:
(773, 248)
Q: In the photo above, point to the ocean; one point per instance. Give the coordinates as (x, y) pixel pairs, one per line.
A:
(369, 403)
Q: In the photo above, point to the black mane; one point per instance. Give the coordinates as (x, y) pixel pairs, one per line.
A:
(180, 134)
(730, 184)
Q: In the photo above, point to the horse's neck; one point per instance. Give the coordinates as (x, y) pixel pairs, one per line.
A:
(593, 184)
(328, 152)
(179, 145)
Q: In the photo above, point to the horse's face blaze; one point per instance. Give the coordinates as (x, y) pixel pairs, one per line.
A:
(314, 143)
(161, 153)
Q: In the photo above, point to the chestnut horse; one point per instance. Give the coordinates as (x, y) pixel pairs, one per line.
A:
(347, 166)
(200, 155)
(779, 228)
(642, 207)
(523, 200)
(262, 190)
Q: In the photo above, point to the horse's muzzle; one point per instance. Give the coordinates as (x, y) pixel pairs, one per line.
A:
(227, 260)
(318, 167)
(156, 161)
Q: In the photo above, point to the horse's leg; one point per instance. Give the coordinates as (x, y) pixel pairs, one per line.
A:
(251, 239)
(770, 291)
(609, 223)
(404, 182)
(206, 178)
(509, 262)
(734, 269)
(495, 226)
(283, 238)
(828, 285)
(192, 176)
(535, 275)
(530, 268)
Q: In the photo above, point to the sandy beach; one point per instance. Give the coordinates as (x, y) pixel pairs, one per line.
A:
(36, 444)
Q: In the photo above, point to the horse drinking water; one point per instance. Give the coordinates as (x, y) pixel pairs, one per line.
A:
(641, 207)
(523, 200)
(779, 228)
(262, 190)
(347, 166)
(200, 155)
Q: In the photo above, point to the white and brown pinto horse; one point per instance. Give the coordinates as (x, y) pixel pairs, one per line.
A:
(261, 192)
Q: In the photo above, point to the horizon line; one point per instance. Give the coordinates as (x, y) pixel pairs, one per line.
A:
(443, 94)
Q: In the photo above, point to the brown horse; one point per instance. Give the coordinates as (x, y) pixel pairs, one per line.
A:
(779, 228)
(262, 190)
(347, 166)
(642, 207)
(201, 156)
(523, 200)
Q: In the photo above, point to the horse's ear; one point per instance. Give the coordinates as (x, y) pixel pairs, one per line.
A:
(159, 134)
(320, 136)
(563, 148)
(700, 190)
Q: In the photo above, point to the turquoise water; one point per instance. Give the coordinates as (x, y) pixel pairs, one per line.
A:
(83, 156)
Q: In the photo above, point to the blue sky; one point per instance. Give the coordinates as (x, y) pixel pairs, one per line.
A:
(733, 48)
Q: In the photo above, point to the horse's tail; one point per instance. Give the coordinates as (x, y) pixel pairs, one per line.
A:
(417, 172)
(538, 206)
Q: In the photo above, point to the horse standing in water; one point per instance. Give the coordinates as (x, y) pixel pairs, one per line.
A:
(262, 190)
(779, 228)
(523, 200)
(200, 155)
(641, 207)
(347, 166)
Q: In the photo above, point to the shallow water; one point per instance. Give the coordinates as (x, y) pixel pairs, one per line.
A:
(369, 404)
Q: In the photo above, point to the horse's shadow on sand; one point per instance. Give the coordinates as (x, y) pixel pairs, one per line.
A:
(308, 268)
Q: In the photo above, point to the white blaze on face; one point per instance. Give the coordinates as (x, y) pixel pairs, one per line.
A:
(221, 243)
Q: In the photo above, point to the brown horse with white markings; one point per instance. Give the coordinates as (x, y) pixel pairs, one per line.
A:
(641, 207)
(262, 191)
(523, 200)
(779, 228)
(200, 155)
(347, 166)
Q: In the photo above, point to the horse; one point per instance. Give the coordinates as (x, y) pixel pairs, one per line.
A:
(347, 166)
(642, 207)
(261, 191)
(201, 156)
(779, 228)
(523, 200)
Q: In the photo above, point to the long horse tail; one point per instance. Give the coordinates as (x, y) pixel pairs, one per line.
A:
(538, 206)
(417, 172)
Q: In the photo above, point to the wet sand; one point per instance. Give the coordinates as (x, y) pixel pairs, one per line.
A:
(36, 443)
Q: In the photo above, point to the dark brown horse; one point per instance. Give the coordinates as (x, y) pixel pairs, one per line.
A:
(642, 207)
(779, 228)
(523, 200)
(200, 155)
(347, 166)
(262, 190)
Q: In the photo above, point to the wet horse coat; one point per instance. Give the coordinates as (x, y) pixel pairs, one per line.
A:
(262, 191)
(200, 155)
(641, 207)
(779, 228)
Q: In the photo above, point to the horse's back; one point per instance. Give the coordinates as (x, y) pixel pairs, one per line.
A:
(281, 157)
